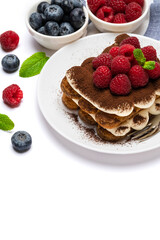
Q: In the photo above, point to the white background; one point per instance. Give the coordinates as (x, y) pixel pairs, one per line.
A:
(58, 190)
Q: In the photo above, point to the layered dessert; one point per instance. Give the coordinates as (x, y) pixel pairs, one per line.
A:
(118, 91)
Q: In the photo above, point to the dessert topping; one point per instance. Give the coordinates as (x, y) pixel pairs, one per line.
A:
(127, 51)
(138, 76)
(120, 85)
(120, 64)
(102, 77)
(114, 51)
(103, 59)
(154, 73)
(128, 66)
(131, 40)
(149, 53)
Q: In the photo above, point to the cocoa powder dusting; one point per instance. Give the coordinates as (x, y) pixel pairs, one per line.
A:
(82, 79)
(89, 132)
(157, 106)
(121, 129)
(120, 38)
(138, 119)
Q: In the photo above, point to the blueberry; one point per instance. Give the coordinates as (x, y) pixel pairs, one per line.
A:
(57, 2)
(66, 18)
(77, 3)
(35, 20)
(54, 13)
(21, 141)
(52, 28)
(67, 6)
(42, 30)
(77, 18)
(10, 63)
(42, 6)
(44, 20)
(66, 28)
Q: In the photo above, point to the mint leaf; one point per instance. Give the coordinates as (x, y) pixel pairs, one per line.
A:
(33, 65)
(139, 56)
(150, 65)
(6, 123)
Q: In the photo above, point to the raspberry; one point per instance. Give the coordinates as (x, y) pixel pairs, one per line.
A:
(155, 73)
(9, 40)
(120, 85)
(120, 64)
(12, 95)
(119, 18)
(102, 77)
(118, 6)
(138, 76)
(133, 11)
(114, 51)
(149, 53)
(127, 51)
(140, 2)
(134, 62)
(104, 59)
(131, 40)
(105, 13)
(95, 4)
(108, 3)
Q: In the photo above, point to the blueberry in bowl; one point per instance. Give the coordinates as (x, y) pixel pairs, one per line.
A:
(55, 23)
(54, 13)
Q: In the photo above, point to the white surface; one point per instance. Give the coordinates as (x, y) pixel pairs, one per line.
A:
(58, 190)
(49, 95)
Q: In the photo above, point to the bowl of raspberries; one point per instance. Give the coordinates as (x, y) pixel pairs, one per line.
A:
(55, 23)
(117, 15)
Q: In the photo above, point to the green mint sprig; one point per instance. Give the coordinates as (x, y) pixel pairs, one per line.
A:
(139, 56)
(33, 65)
(6, 123)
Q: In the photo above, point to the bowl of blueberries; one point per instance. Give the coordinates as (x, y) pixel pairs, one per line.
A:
(55, 23)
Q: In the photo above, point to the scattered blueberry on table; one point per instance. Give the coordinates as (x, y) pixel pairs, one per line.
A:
(59, 18)
(21, 141)
(10, 63)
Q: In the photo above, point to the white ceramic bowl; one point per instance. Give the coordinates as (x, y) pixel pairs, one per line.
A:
(103, 26)
(57, 42)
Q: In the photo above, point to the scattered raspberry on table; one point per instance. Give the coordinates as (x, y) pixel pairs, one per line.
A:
(9, 40)
(12, 95)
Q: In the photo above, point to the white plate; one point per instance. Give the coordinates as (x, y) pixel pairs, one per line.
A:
(49, 94)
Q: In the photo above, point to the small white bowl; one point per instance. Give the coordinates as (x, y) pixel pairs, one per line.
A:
(56, 42)
(103, 26)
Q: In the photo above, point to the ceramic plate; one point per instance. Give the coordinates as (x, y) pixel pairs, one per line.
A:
(59, 117)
